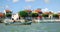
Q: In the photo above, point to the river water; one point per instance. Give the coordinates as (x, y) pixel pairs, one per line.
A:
(34, 27)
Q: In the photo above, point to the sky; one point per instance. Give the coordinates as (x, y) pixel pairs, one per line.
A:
(18, 5)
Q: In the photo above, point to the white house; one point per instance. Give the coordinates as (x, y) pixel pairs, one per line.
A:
(7, 11)
(15, 16)
(50, 15)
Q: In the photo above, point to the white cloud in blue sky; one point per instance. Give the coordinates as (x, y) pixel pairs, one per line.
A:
(46, 10)
(17, 5)
(29, 0)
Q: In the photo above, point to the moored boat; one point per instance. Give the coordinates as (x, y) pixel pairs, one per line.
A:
(17, 22)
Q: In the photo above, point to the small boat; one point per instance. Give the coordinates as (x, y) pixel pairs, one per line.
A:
(20, 23)
(27, 23)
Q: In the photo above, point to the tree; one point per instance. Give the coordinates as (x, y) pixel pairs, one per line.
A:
(45, 15)
(23, 13)
(8, 15)
(34, 14)
(55, 15)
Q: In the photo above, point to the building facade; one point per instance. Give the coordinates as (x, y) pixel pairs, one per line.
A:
(15, 16)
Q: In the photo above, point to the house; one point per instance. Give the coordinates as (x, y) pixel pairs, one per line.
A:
(15, 16)
(50, 14)
(8, 13)
(1, 17)
(38, 11)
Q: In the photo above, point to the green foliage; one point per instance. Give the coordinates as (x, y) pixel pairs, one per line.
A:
(45, 15)
(23, 13)
(34, 14)
(8, 15)
(55, 15)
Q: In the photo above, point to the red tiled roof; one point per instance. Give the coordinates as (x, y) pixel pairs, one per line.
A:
(1, 15)
(46, 12)
(7, 10)
(28, 10)
(38, 10)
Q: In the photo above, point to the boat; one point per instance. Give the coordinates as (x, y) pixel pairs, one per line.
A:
(27, 23)
(16, 23)
(20, 23)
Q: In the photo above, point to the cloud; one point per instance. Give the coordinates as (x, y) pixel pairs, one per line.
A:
(46, 10)
(46, 1)
(29, 0)
(28, 7)
(15, 1)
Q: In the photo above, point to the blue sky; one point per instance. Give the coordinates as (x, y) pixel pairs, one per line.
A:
(18, 5)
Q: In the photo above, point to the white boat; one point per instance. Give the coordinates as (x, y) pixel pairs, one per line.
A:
(9, 21)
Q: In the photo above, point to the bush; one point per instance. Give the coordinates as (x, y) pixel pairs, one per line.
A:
(45, 15)
(34, 14)
(55, 15)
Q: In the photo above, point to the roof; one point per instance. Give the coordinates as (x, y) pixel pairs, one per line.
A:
(38, 10)
(28, 10)
(1, 14)
(7, 10)
(34, 12)
(48, 13)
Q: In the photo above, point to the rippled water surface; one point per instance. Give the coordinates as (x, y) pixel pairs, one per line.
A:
(34, 27)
